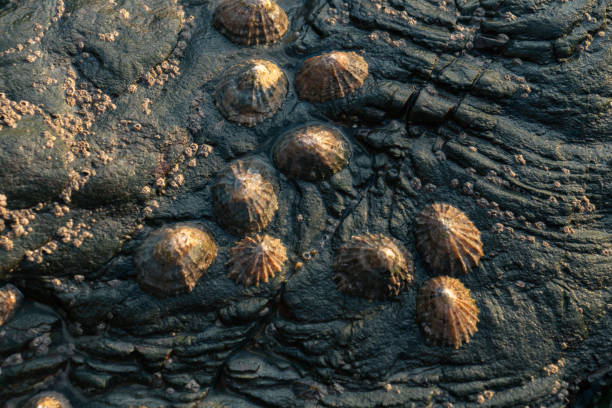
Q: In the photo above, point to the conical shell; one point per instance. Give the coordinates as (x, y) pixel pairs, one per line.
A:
(244, 199)
(373, 266)
(447, 240)
(312, 153)
(172, 259)
(330, 76)
(250, 92)
(255, 259)
(446, 312)
(251, 22)
(10, 300)
(48, 399)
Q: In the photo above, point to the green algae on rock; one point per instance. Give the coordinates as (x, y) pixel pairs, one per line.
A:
(251, 22)
(244, 199)
(373, 266)
(173, 258)
(250, 92)
(312, 153)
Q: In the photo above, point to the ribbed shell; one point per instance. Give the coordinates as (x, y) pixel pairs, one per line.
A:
(250, 92)
(373, 266)
(447, 240)
(312, 153)
(244, 199)
(255, 259)
(251, 22)
(48, 399)
(10, 300)
(330, 76)
(172, 259)
(446, 312)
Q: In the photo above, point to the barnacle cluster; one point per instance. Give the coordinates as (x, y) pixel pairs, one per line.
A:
(373, 266)
(173, 258)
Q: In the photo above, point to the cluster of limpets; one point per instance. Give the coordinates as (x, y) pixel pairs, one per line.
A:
(172, 259)
(379, 267)
(448, 242)
(244, 194)
(252, 91)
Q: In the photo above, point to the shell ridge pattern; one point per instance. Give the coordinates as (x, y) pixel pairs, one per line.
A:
(251, 22)
(250, 92)
(256, 259)
(373, 266)
(312, 153)
(446, 311)
(172, 259)
(447, 240)
(330, 76)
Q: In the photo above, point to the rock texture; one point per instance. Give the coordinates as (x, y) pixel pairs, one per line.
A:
(109, 131)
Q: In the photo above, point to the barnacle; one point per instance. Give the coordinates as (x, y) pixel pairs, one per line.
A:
(47, 399)
(255, 259)
(250, 92)
(330, 76)
(10, 300)
(312, 153)
(446, 239)
(446, 312)
(173, 258)
(373, 266)
(251, 22)
(244, 199)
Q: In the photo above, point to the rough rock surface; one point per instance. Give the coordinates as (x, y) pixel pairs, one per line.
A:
(500, 108)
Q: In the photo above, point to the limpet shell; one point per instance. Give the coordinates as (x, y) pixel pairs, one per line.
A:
(172, 259)
(244, 199)
(250, 92)
(255, 259)
(48, 399)
(330, 76)
(446, 239)
(251, 22)
(373, 266)
(10, 300)
(446, 312)
(312, 153)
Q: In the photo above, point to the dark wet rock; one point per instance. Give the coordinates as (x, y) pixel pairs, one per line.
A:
(492, 43)
(501, 109)
(33, 150)
(115, 44)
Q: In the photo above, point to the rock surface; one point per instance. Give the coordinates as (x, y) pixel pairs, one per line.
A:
(109, 131)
